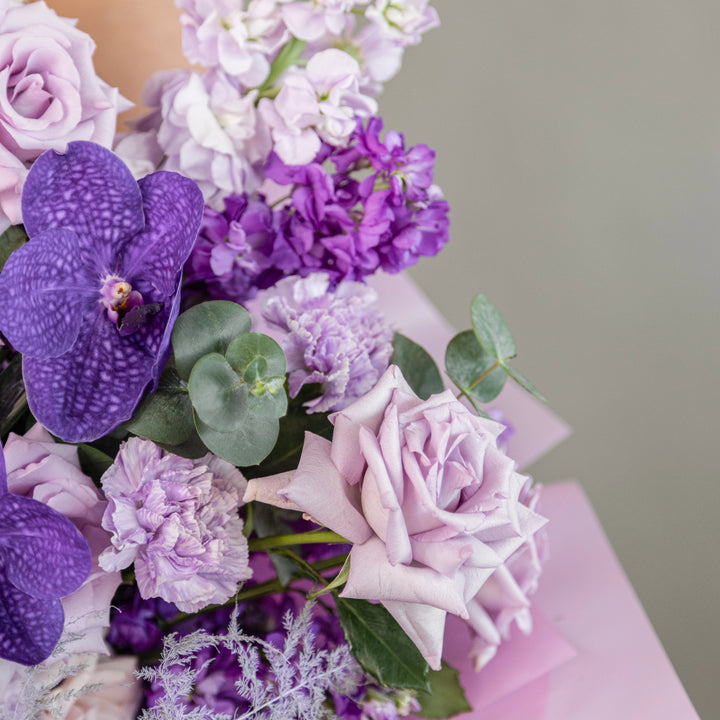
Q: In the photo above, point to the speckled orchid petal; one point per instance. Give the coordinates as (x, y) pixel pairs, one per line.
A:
(85, 393)
(29, 627)
(117, 248)
(45, 291)
(41, 551)
(173, 210)
(89, 190)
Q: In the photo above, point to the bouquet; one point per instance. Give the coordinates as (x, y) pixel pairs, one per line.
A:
(229, 487)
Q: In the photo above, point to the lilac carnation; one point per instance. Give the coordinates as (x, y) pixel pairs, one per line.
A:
(177, 520)
(338, 338)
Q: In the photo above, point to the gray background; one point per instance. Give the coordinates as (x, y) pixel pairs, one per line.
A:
(579, 147)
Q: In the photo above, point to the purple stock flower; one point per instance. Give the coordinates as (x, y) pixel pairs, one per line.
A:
(232, 251)
(91, 299)
(43, 557)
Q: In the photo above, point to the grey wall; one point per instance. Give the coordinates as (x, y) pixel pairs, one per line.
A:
(579, 146)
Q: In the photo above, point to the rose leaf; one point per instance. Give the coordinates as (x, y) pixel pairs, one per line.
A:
(418, 368)
(446, 697)
(381, 646)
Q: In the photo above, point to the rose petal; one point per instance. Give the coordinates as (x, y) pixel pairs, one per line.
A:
(320, 491)
(424, 625)
(46, 291)
(371, 576)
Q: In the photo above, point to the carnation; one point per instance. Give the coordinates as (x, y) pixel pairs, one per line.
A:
(176, 520)
(336, 337)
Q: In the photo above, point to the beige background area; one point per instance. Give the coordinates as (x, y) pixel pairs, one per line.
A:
(579, 146)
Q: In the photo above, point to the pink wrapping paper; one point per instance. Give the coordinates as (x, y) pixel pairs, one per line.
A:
(593, 654)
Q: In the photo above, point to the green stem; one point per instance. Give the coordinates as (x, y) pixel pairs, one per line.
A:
(309, 538)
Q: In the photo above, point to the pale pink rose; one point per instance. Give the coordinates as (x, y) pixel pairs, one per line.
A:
(49, 92)
(12, 178)
(433, 508)
(50, 472)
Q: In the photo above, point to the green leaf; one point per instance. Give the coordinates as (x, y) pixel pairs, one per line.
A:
(418, 368)
(218, 395)
(286, 453)
(466, 361)
(13, 402)
(446, 697)
(165, 416)
(381, 646)
(13, 238)
(206, 328)
(247, 445)
(93, 462)
(491, 329)
(247, 349)
(524, 383)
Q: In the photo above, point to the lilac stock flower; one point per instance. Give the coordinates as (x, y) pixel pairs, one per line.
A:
(42, 558)
(338, 338)
(177, 520)
(91, 298)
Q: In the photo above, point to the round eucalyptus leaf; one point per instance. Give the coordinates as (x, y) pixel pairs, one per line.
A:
(218, 395)
(247, 445)
(206, 328)
(268, 403)
(466, 361)
(491, 330)
(245, 350)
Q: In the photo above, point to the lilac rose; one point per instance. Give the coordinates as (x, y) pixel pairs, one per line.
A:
(433, 508)
(49, 93)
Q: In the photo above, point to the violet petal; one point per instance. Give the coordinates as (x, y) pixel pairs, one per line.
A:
(173, 207)
(29, 627)
(89, 190)
(41, 551)
(45, 292)
(85, 393)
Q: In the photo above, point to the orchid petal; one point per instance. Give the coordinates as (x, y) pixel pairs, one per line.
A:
(89, 190)
(85, 393)
(173, 207)
(41, 551)
(46, 292)
(29, 627)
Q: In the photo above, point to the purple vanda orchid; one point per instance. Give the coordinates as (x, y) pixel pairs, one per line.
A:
(43, 557)
(90, 300)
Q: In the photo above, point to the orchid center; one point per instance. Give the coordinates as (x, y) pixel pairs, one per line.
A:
(118, 297)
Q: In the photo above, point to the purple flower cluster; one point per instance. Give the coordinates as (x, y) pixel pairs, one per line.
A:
(351, 212)
(338, 338)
